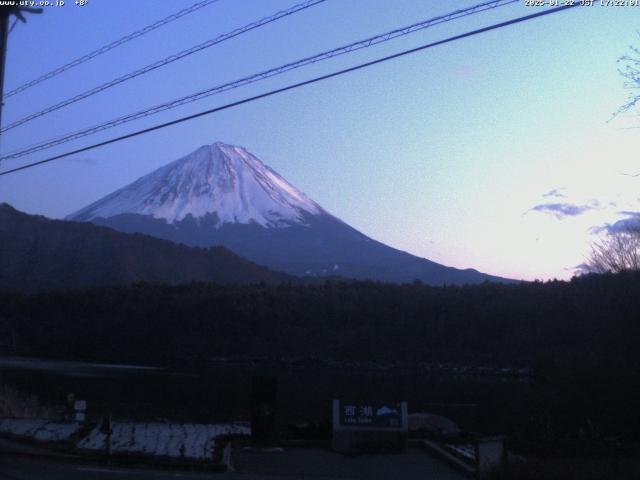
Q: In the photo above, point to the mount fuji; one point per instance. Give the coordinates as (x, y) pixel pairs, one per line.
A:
(223, 195)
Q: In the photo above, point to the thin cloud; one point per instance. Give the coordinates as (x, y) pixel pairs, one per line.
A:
(632, 222)
(556, 193)
(562, 210)
(581, 269)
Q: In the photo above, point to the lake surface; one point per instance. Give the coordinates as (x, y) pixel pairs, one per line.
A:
(223, 392)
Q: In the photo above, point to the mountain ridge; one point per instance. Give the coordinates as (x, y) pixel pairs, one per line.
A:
(38, 253)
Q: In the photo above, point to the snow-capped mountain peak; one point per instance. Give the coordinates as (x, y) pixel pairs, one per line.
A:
(221, 179)
(239, 202)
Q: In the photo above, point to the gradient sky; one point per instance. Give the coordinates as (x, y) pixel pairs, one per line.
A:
(494, 152)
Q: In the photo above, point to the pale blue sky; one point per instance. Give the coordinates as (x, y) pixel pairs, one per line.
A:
(444, 153)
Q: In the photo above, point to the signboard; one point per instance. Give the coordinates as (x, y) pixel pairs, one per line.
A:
(379, 415)
(79, 409)
(369, 426)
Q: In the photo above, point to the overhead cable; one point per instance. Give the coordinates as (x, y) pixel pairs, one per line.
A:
(165, 61)
(294, 86)
(104, 49)
(367, 42)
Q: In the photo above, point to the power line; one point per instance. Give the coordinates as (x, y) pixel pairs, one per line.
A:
(294, 86)
(165, 61)
(110, 46)
(368, 42)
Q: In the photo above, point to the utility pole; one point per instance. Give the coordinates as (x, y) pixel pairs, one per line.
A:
(5, 13)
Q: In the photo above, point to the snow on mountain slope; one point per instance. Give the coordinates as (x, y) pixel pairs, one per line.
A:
(220, 179)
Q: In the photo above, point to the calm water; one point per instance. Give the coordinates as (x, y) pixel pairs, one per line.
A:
(223, 393)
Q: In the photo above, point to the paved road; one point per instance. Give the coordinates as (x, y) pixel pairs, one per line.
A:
(28, 469)
(291, 464)
(308, 463)
(35, 469)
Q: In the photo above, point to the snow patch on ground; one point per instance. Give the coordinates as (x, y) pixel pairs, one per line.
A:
(176, 440)
(468, 452)
(38, 429)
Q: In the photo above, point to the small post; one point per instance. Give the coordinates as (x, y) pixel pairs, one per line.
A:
(263, 411)
(4, 36)
(70, 412)
(107, 428)
(491, 455)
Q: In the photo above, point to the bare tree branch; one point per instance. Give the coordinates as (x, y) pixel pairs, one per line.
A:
(615, 252)
(630, 71)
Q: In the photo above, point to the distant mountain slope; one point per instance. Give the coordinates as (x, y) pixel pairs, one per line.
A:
(223, 195)
(37, 253)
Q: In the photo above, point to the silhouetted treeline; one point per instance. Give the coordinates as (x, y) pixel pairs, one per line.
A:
(489, 324)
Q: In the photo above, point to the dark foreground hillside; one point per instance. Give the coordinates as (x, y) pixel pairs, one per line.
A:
(37, 253)
(580, 337)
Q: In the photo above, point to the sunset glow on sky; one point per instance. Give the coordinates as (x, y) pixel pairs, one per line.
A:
(497, 152)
